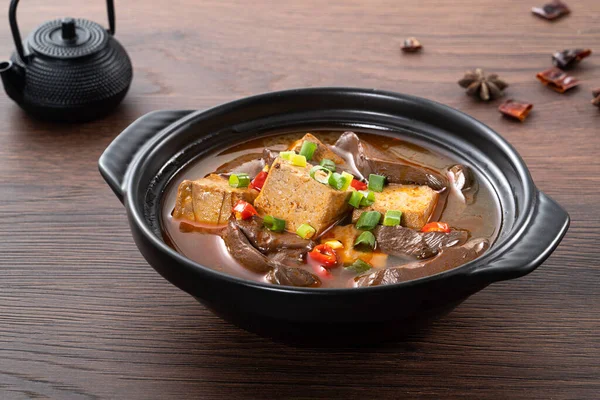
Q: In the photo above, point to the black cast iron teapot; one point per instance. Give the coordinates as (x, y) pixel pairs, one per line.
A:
(68, 69)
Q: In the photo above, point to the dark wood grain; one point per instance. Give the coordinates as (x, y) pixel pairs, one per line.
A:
(82, 316)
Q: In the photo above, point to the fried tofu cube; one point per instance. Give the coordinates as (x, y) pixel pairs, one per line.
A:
(417, 203)
(209, 200)
(347, 236)
(322, 151)
(291, 194)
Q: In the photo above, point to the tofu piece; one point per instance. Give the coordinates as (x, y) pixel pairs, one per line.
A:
(209, 200)
(347, 236)
(291, 194)
(416, 203)
(322, 151)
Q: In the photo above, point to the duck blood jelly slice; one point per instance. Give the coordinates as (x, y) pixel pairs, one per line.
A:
(515, 109)
(410, 45)
(551, 11)
(568, 58)
(557, 79)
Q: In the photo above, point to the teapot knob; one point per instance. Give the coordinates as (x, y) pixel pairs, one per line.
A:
(68, 29)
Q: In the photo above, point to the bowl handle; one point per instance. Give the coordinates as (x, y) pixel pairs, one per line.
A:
(114, 162)
(531, 247)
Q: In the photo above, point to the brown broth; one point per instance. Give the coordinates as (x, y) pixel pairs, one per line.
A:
(481, 218)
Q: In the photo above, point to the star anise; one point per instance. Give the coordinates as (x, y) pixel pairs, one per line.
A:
(482, 86)
(596, 94)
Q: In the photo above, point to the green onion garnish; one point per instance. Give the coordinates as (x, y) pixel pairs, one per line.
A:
(368, 198)
(347, 180)
(327, 163)
(368, 220)
(392, 218)
(286, 154)
(308, 149)
(376, 183)
(365, 241)
(305, 231)
(274, 224)
(336, 181)
(320, 174)
(359, 266)
(239, 180)
(355, 199)
(298, 160)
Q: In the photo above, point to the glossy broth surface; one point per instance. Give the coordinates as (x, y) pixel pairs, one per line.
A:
(481, 218)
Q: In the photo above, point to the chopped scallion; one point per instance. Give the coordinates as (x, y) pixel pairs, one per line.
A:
(355, 199)
(327, 163)
(365, 241)
(274, 224)
(347, 180)
(368, 220)
(239, 180)
(298, 160)
(308, 149)
(376, 182)
(286, 154)
(320, 174)
(336, 181)
(305, 231)
(359, 266)
(392, 218)
(368, 198)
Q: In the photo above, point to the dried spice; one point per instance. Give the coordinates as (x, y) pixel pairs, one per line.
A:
(568, 58)
(557, 79)
(596, 94)
(551, 11)
(411, 45)
(515, 109)
(482, 86)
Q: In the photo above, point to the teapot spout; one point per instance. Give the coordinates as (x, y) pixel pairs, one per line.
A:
(13, 79)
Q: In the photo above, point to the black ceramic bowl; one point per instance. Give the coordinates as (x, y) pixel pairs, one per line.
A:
(140, 162)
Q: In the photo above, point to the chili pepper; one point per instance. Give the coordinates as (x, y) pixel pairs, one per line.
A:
(358, 185)
(436, 227)
(258, 182)
(243, 210)
(324, 255)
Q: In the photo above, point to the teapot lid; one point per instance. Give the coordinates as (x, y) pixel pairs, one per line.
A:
(68, 38)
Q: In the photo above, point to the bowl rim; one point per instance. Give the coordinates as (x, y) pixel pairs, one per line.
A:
(136, 213)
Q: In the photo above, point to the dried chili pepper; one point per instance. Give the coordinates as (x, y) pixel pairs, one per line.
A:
(515, 109)
(557, 79)
(596, 94)
(551, 11)
(411, 45)
(568, 58)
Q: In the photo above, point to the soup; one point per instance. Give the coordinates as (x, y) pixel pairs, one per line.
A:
(329, 209)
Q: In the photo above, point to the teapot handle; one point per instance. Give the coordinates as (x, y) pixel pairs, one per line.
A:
(12, 19)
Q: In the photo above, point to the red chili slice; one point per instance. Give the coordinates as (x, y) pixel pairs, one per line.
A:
(244, 210)
(436, 227)
(553, 10)
(324, 255)
(358, 185)
(515, 109)
(568, 58)
(557, 79)
(259, 181)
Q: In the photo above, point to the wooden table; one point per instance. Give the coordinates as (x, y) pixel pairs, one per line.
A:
(82, 316)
